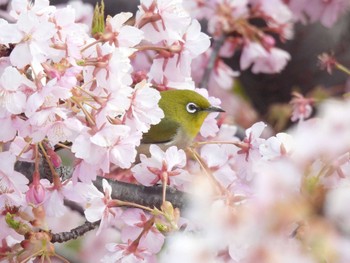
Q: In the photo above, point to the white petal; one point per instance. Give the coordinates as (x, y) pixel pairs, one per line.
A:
(21, 55)
(15, 102)
(95, 211)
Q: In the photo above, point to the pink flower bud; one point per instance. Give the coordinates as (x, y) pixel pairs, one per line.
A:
(139, 76)
(51, 71)
(36, 194)
(54, 157)
(268, 42)
(26, 244)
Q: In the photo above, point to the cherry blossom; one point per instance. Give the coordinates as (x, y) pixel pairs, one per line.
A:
(55, 194)
(121, 146)
(176, 67)
(31, 33)
(112, 144)
(274, 61)
(135, 220)
(11, 181)
(113, 69)
(251, 52)
(277, 10)
(252, 140)
(172, 75)
(54, 203)
(220, 22)
(120, 34)
(249, 154)
(220, 159)
(209, 127)
(264, 61)
(38, 7)
(9, 127)
(85, 171)
(144, 110)
(127, 253)
(162, 20)
(98, 208)
(302, 107)
(160, 166)
(327, 62)
(83, 12)
(70, 36)
(222, 75)
(327, 12)
(12, 90)
(276, 146)
(199, 9)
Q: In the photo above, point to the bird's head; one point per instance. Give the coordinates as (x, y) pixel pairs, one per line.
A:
(187, 108)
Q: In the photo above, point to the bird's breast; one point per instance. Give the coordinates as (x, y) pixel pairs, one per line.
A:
(181, 140)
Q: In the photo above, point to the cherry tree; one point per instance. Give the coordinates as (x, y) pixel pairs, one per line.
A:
(76, 98)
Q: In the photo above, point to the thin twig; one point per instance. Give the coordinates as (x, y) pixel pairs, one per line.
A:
(132, 205)
(218, 187)
(211, 63)
(74, 233)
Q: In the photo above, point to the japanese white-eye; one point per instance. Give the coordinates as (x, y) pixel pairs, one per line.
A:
(184, 114)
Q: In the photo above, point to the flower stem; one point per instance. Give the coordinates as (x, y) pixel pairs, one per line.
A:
(198, 158)
(130, 204)
(342, 68)
(90, 45)
(55, 177)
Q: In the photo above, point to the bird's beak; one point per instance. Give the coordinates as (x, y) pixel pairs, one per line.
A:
(214, 109)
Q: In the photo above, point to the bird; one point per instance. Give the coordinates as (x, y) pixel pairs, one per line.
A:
(184, 114)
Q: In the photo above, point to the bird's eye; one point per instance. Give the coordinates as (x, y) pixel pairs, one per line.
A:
(191, 107)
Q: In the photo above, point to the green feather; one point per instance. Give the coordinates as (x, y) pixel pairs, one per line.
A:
(178, 124)
(163, 132)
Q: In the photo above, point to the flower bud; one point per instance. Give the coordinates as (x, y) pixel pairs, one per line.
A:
(36, 194)
(54, 157)
(268, 42)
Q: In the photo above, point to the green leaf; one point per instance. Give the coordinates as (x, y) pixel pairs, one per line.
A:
(98, 20)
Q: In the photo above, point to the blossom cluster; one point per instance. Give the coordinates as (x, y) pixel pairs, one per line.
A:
(95, 93)
(254, 28)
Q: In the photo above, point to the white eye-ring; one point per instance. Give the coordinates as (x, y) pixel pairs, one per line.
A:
(192, 107)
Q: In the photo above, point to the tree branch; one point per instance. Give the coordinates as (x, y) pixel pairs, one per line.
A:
(139, 194)
(150, 196)
(74, 233)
